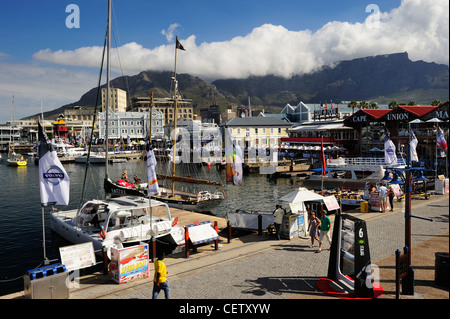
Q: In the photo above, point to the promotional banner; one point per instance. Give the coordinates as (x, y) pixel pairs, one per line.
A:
(153, 187)
(54, 183)
(233, 157)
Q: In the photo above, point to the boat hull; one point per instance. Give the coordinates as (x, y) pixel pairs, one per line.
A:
(16, 163)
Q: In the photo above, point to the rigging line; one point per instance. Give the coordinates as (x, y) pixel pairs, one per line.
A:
(118, 55)
(93, 123)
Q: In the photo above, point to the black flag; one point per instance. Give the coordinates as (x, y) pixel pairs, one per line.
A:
(179, 45)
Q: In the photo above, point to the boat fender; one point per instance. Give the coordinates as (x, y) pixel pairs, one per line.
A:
(102, 233)
(175, 221)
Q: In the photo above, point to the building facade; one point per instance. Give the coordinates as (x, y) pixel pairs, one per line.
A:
(117, 100)
(166, 107)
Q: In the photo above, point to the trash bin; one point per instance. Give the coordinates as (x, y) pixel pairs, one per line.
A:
(48, 282)
(364, 207)
(441, 269)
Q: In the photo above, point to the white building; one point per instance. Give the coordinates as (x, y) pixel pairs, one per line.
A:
(135, 125)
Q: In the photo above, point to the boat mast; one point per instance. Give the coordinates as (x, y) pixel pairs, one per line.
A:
(175, 118)
(108, 68)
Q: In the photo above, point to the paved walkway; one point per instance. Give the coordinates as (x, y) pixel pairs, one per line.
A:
(258, 267)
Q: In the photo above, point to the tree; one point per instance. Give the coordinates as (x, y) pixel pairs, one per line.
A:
(373, 105)
(393, 104)
(363, 105)
(353, 104)
(411, 103)
(436, 103)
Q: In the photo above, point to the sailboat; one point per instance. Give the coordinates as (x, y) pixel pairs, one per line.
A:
(13, 158)
(121, 221)
(202, 201)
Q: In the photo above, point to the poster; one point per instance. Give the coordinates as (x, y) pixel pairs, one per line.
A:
(77, 256)
(129, 263)
(374, 202)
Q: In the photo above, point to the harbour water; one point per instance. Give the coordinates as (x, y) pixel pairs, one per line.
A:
(21, 231)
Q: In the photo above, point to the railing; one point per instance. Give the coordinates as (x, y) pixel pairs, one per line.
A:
(362, 161)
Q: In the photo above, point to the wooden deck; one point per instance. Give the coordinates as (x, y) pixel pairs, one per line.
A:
(188, 218)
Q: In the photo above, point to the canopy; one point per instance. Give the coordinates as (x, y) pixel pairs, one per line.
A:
(301, 195)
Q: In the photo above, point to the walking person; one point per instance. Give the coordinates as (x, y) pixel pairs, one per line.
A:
(325, 224)
(313, 228)
(278, 220)
(391, 195)
(383, 200)
(160, 279)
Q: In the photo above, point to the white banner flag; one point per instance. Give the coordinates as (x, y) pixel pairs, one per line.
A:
(54, 182)
(153, 187)
(412, 147)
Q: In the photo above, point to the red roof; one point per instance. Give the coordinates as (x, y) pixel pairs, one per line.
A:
(418, 110)
(376, 113)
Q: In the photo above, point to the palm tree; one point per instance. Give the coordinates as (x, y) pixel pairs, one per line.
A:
(411, 103)
(353, 104)
(393, 104)
(436, 103)
(363, 105)
(373, 105)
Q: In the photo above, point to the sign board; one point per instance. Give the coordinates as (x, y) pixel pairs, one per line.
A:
(77, 256)
(331, 203)
(129, 263)
(202, 233)
(249, 220)
(375, 202)
(297, 225)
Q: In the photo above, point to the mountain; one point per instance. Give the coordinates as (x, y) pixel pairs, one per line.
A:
(381, 79)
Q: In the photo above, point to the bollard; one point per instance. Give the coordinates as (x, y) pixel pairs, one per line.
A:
(153, 249)
(228, 232)
(105, 261)
(186, 242)
(216, 242)
(259, 225)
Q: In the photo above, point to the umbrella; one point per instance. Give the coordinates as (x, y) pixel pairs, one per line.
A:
(302, 194)
(375, 149)
(435, 120)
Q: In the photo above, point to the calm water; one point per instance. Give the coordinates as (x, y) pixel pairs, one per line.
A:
(21, 217)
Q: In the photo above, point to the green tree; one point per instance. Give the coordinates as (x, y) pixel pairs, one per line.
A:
(393, 104)
(436, 103)
(353, 104)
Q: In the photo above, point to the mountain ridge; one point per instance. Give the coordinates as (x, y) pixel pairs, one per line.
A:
(380, 78)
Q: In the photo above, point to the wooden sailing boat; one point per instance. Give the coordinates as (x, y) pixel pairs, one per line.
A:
(13, 158)
(202, 201)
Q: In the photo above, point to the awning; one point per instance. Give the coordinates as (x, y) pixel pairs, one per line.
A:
(320, 127)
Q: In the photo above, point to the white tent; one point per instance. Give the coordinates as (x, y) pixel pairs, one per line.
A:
(302, 194)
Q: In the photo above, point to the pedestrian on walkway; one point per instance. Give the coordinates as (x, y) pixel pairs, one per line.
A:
(391, 195)
(278, 220)
(160, 279)
(325, 224)
(383, 200)
(313, 228)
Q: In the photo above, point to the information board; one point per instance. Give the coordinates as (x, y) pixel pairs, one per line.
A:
(77, 256)
(202, 233)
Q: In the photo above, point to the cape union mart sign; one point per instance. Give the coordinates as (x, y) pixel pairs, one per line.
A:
(397, 116)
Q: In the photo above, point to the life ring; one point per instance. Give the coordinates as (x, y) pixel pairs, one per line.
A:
(175, 221)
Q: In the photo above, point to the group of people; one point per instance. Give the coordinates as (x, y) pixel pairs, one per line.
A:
(385, 194)
(317, 228)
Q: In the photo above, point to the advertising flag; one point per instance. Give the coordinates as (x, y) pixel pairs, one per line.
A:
(412, 147)
(54, 183)
(233, 157)
(441, 142)
(390, 157)
(153, 187)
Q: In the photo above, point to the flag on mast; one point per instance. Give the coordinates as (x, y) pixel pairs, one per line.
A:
(54, 182)
(441, 143)
(233, 156)
(179, 45)
(412, 147)
(322, 155)
(153, 187)
(390, 157)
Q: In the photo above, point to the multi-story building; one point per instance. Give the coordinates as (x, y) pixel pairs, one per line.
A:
(135, 125)
(117, 101)
(166, 107)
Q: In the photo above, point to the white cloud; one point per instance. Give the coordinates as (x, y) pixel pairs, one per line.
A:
(170, 31)
(419, 27)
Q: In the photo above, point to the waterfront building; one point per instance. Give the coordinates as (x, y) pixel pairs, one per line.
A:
(166, 107)
(117, 100)
(257, 132)
(133, 125)
(370, 126)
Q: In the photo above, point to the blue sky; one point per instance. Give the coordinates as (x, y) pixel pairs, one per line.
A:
(41, 59)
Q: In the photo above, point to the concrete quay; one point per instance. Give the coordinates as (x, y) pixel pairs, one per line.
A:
(260, 268)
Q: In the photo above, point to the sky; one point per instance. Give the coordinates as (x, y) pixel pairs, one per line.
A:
(50, 50)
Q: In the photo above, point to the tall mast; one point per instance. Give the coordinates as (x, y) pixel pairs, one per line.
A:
(175, 118)
(108, 67)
